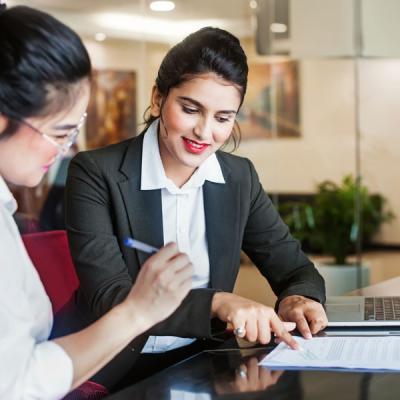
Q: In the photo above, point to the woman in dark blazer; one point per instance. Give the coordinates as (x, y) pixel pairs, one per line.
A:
(173, 183)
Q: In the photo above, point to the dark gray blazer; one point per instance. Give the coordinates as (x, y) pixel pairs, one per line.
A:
(105, 205)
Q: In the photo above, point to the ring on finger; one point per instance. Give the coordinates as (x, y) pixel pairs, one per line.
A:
(239, 331)
(242, 373)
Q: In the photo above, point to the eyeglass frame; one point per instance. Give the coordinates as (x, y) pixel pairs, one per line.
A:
(71, 135)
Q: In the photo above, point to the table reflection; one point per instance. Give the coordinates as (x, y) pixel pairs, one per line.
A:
(243, 376)
(235, 374)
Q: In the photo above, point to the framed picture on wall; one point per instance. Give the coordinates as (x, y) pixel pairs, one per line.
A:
(112, 108)
(271, 106)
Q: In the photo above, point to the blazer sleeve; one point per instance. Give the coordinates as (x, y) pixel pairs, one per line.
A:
(103, 275)
(278, 256)
(102, 270)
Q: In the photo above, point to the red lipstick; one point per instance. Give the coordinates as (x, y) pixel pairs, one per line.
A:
(194, 147)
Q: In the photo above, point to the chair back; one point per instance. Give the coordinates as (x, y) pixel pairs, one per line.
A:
(49, 252)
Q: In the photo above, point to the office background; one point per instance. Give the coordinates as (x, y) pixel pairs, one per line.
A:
(323, 99)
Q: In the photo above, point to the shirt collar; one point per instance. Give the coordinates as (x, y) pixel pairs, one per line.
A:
(153, 174)
(6, 197)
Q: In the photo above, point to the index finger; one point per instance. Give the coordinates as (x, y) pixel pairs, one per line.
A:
(280, 331)
(316, 318)
(166, 252)
(303, 328)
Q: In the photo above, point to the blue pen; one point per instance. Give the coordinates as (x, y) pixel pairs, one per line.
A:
(136, 244)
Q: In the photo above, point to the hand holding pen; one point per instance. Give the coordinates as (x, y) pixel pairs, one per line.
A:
(163, 281)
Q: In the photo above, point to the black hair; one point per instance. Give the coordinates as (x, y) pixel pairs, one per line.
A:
(206, 50)
(40, 61)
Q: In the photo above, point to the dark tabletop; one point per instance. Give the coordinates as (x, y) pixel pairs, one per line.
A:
(234, 374)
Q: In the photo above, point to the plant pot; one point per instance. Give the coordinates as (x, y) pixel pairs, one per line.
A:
(341, 279)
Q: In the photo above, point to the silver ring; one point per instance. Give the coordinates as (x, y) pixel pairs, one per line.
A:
(239, 332)
(242, 373)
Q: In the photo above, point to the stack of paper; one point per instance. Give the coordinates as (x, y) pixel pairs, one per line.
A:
(338, 352)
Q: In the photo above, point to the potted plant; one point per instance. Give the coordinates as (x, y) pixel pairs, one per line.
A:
(328, 225)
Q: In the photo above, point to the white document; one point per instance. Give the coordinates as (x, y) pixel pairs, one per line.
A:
(186, 395)
(338, 352)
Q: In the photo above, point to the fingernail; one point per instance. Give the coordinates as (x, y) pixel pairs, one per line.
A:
(308, 335)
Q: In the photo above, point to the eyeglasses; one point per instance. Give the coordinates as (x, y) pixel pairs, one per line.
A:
(63, 142)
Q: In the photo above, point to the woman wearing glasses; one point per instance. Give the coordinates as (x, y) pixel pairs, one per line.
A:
(44, 92)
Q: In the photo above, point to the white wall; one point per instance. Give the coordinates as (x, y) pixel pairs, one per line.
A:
(340, 28)
(380, 28)
(322, 28)
(380, 134)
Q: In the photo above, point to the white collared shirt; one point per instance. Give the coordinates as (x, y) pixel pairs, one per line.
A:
(31, 367)
(183, 218)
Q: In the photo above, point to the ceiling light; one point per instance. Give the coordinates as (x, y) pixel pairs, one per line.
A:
(162, 5)
(137, 24)
(253, 4)
(100, 36)
(278, 28)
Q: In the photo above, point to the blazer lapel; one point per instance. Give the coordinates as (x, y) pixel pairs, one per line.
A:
(221, 206)
(143, 207)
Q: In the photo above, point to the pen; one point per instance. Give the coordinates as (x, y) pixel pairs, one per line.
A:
(136, 244)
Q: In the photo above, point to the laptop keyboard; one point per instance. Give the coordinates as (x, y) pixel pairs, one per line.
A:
(382, 308)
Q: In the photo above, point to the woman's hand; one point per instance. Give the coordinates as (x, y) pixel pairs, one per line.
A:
(309, 315)
(255, 320)
(163, 282)
(249, 377)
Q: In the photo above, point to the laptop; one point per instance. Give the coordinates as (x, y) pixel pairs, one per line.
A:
(359, 314)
